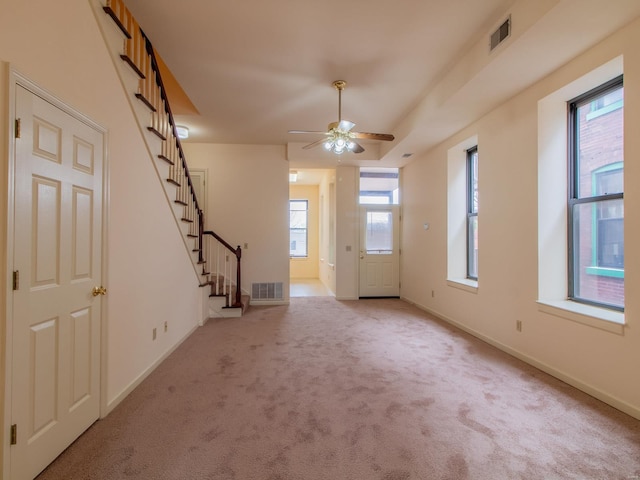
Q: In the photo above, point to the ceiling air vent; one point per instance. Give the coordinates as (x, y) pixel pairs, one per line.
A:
(501, 34)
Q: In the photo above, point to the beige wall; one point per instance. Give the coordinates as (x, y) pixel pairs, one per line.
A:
(248, 203)
(347, 233)
(149, 278)
(58, 46)
(327, 270)
(308, 267)
(598, 361)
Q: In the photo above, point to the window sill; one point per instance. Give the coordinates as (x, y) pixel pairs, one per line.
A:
(463, 284)
(607, 320)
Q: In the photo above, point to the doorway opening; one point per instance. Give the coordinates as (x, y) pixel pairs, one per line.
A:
(311, 232)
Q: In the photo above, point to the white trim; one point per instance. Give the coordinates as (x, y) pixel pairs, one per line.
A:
(560, 375)
(602, 318)
(8, 330)
(140, 378)
(15, 79)
(465, 284)
(268, 302)
(104, 315)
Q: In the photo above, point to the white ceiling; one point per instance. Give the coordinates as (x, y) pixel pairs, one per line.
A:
(419, 69)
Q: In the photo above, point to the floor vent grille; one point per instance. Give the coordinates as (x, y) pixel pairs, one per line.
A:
(267, 291)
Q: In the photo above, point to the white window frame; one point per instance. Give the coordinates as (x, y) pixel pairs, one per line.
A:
(552, 205)
(457, 216)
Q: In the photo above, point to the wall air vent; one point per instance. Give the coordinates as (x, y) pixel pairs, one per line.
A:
(501, 34)
(267, 291)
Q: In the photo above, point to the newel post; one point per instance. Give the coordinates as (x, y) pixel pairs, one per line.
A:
(238, 278)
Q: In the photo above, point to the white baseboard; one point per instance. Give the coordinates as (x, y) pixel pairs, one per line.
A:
(574, 382)
(138, 380)
(268, 302)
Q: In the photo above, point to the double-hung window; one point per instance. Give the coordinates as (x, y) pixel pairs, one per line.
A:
(472, 213)
(596, 197)
(298, 219)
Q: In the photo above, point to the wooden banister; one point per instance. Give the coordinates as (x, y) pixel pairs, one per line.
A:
(140, 56)
(238, 254)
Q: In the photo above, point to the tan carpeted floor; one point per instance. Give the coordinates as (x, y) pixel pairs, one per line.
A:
(360, 390)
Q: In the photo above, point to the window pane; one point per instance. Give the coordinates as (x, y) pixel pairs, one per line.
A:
(298, 219)
(598, 256)
(298, 216)
(379, 235)
(599, 144)
(472, 260)
(473, 181)
(379, 185)
(610, 181)
(374, 200)
(298, 205)
(472, 213)
(298, 243)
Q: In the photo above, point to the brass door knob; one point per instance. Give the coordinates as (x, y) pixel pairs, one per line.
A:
(98, 291)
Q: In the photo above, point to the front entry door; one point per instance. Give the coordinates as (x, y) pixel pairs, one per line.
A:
(55, 372)
(379, 251)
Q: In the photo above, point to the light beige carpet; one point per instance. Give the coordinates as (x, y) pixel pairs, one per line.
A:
(361, 390)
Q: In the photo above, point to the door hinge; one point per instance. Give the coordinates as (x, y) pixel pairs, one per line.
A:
(16, 280)
(17, 129)
(14, 434)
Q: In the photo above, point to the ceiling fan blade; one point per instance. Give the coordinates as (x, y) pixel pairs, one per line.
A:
(314, 144)
(374, 136)
(358, 148)
(346, 125)
(307, 131)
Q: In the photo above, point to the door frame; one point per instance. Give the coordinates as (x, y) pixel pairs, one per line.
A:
(17, 79)
(204, 174)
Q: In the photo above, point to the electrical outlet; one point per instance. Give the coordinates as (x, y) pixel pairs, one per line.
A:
(246, 246)
(519, 325)
(433, 293)
(153, 334)
(166, 326)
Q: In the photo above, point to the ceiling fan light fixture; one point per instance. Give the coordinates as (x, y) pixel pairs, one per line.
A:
(340, 136)
(339, 142)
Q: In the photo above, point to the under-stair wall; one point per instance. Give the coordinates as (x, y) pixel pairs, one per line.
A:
(137, 67)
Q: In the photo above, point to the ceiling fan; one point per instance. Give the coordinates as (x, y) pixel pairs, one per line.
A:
(339, 137)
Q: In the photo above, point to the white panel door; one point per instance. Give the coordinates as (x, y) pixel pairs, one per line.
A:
(379, 251)
(57, 251)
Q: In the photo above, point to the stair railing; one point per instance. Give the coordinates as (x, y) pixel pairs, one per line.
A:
(140, 56)
(217, 256)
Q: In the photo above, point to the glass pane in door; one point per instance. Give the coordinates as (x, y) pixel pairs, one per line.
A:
(379, 234)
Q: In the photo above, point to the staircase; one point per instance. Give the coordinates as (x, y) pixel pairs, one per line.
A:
(215, 261)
